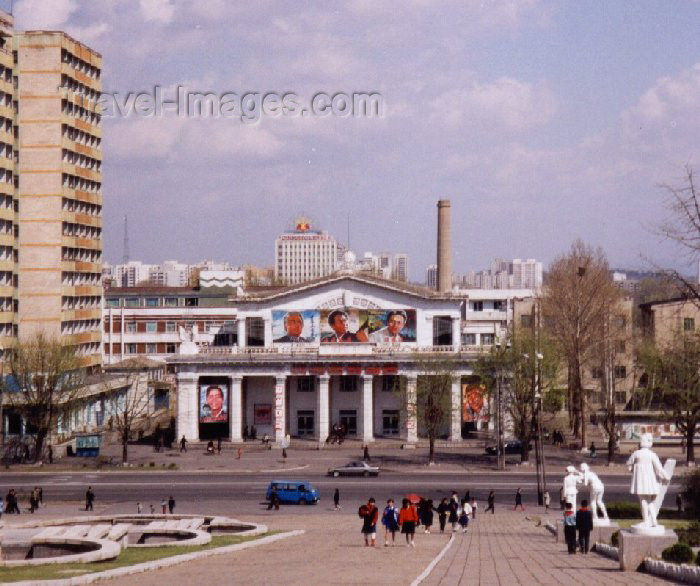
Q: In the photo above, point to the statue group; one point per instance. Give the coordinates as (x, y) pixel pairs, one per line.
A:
(588, 478)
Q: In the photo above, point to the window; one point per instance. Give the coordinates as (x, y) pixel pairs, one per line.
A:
(390, 383)
(468, 339)
(112, 302)
(620, 372)
(170, 349)
(132, 302)
(305, 423)
(348, 418)
(255, 327)
(131, 327)
(151, 327)
(305, 384)
(442, 330)
(152, 302)
(488, 339)
(620, 397)
(151, 349)
(596, 373)
(688, 324)
(499, 305)
(526, 321)
(390, 422)
(191, 301)
(131, 349)
(171, 301)
(348, 384)
(170, 326)
(477, 306)
(620, 346)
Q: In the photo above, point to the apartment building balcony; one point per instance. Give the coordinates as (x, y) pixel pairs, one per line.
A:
(487, 315)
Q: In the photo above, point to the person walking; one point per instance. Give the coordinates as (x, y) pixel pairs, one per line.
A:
(33, 501)
(89, 499)
(679, 502)
(519, 500)
(464, 512)
(171, 504)
(164, 506)
(274, 501)
(218, 445)
(408, 517)
(454, 514)
(491, 501)
(428, 515)
(443, 510)
(369, 515)
(584, 526)
(365, 453)
(390, 520)
(546, 501)
(474, 507)
(183, 444)
(139, 508)
(336, 499)
(570, 528)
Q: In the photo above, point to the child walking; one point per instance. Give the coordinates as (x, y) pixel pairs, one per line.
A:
(390, 520)
(408, 517)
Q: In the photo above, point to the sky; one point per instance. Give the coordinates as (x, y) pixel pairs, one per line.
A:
(542, 122)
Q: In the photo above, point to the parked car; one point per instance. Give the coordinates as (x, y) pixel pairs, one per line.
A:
(511, 447)
(357, 468)
(293, 492)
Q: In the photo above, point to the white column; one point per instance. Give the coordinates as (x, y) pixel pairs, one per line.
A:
(241, 332)
(280, 424)
(236, 409)
(187, 406)
(268, 333)
(411, 410)
(366, 413)
(456, 332)
(323, 408)
(456, 411)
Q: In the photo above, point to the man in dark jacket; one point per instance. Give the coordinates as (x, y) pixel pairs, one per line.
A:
(584, 526)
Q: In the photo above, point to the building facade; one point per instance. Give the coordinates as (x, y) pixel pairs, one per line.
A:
(304, 254)
(315, 355)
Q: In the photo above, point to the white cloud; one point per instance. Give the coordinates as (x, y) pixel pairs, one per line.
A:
(40, 14)
(161, 11)
(507, 102)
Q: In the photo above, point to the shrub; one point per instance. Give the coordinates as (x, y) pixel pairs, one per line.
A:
(152, 464)
(172, 466)
(690, 534)
(697, 561)
(615, 539)
(678, 553)
(691, 489)
(624, 510)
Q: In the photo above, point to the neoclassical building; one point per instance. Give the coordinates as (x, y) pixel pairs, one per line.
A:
(320, 353)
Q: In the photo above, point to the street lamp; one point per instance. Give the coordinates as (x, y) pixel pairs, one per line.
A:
(501, 459)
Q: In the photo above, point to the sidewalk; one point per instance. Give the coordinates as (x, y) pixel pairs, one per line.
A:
(507, 549)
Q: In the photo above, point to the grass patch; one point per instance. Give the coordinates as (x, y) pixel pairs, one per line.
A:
(671, 523)
(128, 557)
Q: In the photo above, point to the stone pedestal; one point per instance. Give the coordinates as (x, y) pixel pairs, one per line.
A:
(634, 548)
(603, 533)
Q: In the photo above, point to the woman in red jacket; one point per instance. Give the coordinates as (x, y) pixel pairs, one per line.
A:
(408, 518)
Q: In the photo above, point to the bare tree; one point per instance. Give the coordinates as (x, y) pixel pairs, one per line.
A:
(44, 379)
(672, 376)
(127, 406)
(577, 294)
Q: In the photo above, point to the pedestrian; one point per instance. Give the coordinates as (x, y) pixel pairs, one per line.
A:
(545, 501)
(171, 504)
(679, 503)
(40, 495)
(365, 453)
(474, 507)
(245, 433)
(274, 500)
(33, 502)
(491, 500)
(390, 520)
(239, 453)
(468, 496)
(464, 513)
(570, 528)
(443, 510)
(164, 506)
(153, 509)
(592, 450)
(584, 526)
(253, 433)
(12, 504)
(369, 515)
(454, 514)
(519, 500)
(139, 508)
(183, 444)
(50, 454)
(89, 499)
(336, 499)
(408, 517)
(218, 446)
(428, 515)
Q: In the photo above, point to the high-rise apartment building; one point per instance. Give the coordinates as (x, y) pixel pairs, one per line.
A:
(304, 254)
(60, 190)
(399, 268)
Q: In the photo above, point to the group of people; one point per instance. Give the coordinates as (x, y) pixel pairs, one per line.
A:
(409, 517)
(580, 522)
(337, 435)
(11, 503)
(557, 438)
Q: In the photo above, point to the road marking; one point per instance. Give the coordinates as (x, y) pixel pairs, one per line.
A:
(436, 560)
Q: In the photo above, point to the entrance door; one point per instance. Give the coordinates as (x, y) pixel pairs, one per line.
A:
(305, 423)
(348, 418)
(390, 422)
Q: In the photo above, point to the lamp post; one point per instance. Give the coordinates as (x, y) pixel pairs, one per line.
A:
(541, 469)
(501, 457)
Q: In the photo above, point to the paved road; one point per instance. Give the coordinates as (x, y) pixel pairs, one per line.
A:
(248, 488)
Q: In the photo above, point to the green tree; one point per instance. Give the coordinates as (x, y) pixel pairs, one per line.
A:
(43, 379)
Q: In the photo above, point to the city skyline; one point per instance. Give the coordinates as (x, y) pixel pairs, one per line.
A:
(528, 116)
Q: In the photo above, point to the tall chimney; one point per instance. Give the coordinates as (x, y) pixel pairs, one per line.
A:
(444, 256)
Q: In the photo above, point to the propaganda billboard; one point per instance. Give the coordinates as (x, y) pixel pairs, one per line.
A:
(295, 326)
(377, 326)
(474, 406)
(213, 403)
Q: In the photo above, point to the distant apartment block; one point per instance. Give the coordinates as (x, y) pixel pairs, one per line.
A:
(431, 277)
(504, 274)
(304, 254)
(170, 273)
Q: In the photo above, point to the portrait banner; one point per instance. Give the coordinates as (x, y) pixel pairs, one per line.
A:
(213, 403)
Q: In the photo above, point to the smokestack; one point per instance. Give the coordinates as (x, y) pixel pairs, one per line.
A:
(444, 256)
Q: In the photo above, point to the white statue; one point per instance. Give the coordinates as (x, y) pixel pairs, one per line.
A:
(570, 490)
(188, 343)
(646, 473)
(597, 489)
